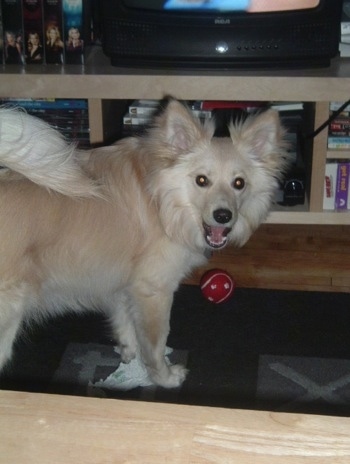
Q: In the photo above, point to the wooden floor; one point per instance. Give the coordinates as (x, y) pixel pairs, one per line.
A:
(289, 257)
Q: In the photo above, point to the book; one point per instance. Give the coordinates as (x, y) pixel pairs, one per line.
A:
(69, 116)
(339, 133)
(228, 104)
(33, 31)
(73, 31)
(340, 124)
(53, 30)
(47, 103)
(335, 106)
(330, 182)
(339, 127)
(142, 107)
(338, 143)
(287, 106)
(137, 120)
(342, 189)
(202, 114)
(12, 20)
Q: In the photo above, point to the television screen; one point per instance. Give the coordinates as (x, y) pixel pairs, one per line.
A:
(249, 6)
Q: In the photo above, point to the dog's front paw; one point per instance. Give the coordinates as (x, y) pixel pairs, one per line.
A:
(171, 376)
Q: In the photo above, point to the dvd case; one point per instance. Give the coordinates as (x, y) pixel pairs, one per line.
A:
(73, 31)
(53, 29)
(12, 17)
(33, 31)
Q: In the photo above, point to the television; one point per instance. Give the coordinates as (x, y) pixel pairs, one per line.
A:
(221, 33)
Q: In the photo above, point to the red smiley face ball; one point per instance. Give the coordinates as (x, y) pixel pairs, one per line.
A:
(217, 286)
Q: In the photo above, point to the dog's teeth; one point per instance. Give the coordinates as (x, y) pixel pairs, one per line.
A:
(216, 243)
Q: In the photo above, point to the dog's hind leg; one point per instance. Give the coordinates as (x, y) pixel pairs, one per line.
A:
(12, 301)
(152, 328)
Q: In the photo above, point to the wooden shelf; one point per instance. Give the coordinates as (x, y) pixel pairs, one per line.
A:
(306, 217)
(97, 79)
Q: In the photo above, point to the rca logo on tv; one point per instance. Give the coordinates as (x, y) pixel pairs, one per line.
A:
(222, 21)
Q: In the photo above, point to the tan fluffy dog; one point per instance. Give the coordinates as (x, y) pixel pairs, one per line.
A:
(115, 229)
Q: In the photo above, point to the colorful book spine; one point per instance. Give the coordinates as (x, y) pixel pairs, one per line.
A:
(342, 189)
(53, 30)
(142, 107)
(139, 120)
(330, 184)
(340, 124)
(202, 114)
(239, 105)
(12, 18)
(47, 103)
(339, 127)
(73, 31)
(33, 31)
(69, 116)
(338, 142)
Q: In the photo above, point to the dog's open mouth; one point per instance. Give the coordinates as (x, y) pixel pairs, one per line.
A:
(216, 236)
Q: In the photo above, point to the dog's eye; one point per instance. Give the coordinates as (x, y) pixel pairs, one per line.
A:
(202, 181)
(238, 183)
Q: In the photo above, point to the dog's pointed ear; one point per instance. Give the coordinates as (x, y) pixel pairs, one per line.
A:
(181, 129)
(264, 132)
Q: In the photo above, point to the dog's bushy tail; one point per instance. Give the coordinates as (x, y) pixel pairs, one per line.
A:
(32, 148)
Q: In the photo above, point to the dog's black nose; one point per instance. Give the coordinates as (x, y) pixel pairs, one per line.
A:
(222, 216)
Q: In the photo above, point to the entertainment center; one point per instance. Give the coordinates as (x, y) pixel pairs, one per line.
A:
(40, 428)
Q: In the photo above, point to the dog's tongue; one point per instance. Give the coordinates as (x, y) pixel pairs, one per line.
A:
(216, 236)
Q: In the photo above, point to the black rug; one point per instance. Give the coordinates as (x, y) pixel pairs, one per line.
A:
(264, 349)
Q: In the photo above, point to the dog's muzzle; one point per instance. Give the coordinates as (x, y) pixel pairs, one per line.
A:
(216, 235)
